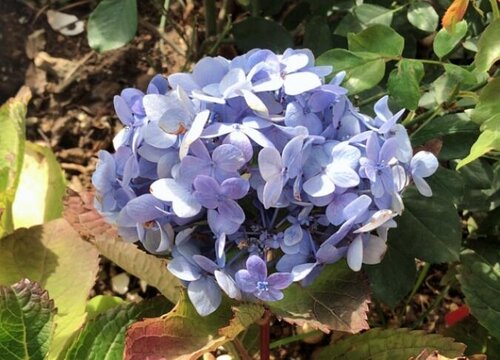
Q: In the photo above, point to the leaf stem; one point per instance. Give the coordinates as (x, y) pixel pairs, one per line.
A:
(371, 99)
(436, 112)
(293, 338)
(431, 307)
(421, 277)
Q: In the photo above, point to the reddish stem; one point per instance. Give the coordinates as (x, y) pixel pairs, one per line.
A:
(265, 336)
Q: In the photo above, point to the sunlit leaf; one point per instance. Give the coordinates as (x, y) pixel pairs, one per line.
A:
(183, 334)
(66, 266)
(336, 300)
(27, 321)
(112, 24)
(380, 344)
(422, 15)
(404, 83)
(488, 104)
(41, 188)
(101, 303)
(12, 142)
(104, 336)
(488, 140)
(149, 268)
(378, 39)
(488, 47)
(364, 70)
(445, 41)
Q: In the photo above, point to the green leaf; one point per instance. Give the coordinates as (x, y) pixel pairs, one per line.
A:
(364, 70)
(448, 183)
(104, 336)
(445, 42)
(336, 300)
(348, 24)
(369, 14)
(378, 39)
(476, 337)
(101, 303)
(380, 344)
(429, 228)
(65, 265)
(461, 75)
(488, 140)
(112, 24)
(147, 267)
(488, 104)
(27, 321)
(12, 142)
(394, 277)
(403, 83)
(456, 132)
(257, 32)
(183, 334)
(317, 35)
(422, 15)
(479, 275)
(488, 47)
(39, 195)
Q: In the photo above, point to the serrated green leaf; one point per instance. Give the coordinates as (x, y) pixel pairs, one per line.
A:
(27, 321)
(369, 14)
(488, 47)
(422, 15)
(364, 70)
(479, 275)
(445, 42)
(476, 337)
(429, 228)
(257, 32)
(378, 39)
(317, 35)
(65, 265)
(39, 195)
(394, 277)
(112, 24)
(183, 334)
(403, 83)
(380, 344)
(12, 142)
(336, 300)
(104, 336)
(488, 104)
(147, 267)
(488, 140)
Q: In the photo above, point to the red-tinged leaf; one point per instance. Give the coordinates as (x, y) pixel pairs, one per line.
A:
(182, 334)
(456, 316)
(337, 300)
(79, 211)
(454, 14)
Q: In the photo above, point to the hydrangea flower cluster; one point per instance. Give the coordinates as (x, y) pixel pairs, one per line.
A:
(254, 173)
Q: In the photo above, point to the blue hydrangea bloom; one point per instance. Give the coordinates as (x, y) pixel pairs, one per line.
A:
(256, 158)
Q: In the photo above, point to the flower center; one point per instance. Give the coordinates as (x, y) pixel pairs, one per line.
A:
(262, 286)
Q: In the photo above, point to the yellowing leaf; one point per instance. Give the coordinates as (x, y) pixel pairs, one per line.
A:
(41, 188)
(54, 255)
(454, 14)
(12, 123)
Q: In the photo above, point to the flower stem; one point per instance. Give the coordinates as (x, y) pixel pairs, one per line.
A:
(293, 338)
(265, 335)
